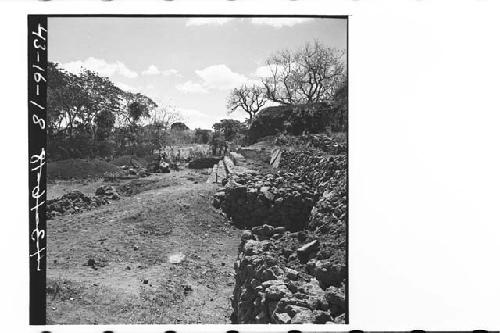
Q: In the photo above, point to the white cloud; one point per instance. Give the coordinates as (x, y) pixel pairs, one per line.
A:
(276, 22)
(191, 87)
(279, 22)
(221, 77)
(100, 66)
(152, 70)
(197, 21)
(169, 72)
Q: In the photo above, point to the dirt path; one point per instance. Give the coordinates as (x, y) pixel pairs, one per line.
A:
(131, 241)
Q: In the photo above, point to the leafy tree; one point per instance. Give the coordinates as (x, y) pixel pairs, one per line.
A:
(138, 106)
(249, 99)
(228, 129)
(66, 100)
(83, 109)
(202, 136)
(104, 121)
(310, 74)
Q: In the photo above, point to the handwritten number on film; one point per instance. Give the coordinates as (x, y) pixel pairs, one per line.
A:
(37, 161)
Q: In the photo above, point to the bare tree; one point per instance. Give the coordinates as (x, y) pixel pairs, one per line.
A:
(247, 98)
(159, 123)
(310, 74)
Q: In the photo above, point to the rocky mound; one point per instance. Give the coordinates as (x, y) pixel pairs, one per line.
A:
(293, 268)
(77, 202)
(296, 119)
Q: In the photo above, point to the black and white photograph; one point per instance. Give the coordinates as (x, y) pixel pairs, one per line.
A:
(249, 166)
(196, 170)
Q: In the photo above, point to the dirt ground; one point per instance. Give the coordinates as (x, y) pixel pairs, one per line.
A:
(131, 241)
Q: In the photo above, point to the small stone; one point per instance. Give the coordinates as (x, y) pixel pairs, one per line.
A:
(127, 268)
(339, 319)
(321, 317)
(302, 315)
(279, 230)
(145, 281)
(281, 318)
(305, 251)
(277, 291)
(246, 235)
(176, 258)
(336, 300)
(291, 274)
(187, 288)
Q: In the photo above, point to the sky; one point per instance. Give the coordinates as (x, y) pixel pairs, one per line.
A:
(189, 63)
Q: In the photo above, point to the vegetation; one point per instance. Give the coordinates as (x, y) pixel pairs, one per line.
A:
(229, 130)
(311, 74)
(304, 91)
(249, 99)
(88, 117)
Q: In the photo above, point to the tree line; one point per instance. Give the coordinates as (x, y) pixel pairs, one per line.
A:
(89, 116)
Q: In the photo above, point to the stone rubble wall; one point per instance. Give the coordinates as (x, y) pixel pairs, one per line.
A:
(291, 266)
(251, 199)
(227, 166)
(281, 279)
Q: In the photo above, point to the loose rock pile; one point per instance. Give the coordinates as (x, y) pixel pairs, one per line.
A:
(108, 192)
(135, 171)
(292, 269)
(72, 203)
(77, 202)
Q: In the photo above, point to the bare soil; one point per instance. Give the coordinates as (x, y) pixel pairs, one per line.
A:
(131, 240)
